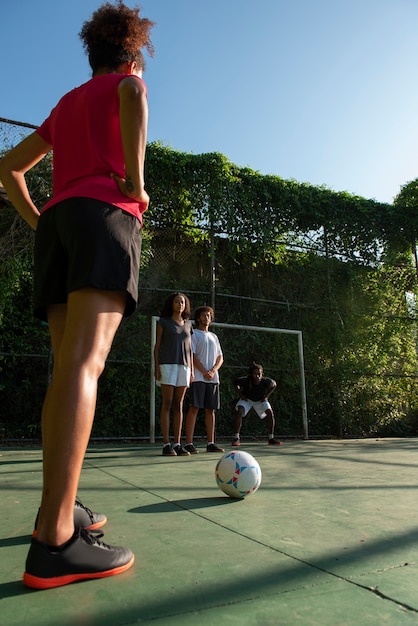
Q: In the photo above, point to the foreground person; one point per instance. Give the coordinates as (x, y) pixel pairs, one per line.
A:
(86, 263)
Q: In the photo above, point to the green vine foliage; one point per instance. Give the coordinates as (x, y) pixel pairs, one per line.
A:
(210, 192)
(274, 253)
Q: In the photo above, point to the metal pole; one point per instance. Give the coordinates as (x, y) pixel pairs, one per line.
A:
(303, 387)
(152, 382)
(213, 269)
(301, 361)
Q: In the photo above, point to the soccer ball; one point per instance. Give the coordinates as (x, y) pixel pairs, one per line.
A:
(238, 474)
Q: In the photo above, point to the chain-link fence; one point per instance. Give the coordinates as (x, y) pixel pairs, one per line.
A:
(11, 132)
(345, 396)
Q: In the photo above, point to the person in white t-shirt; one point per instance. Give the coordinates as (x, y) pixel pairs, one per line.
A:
(204, 390)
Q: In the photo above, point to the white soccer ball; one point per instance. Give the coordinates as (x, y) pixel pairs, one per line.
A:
(238, 474)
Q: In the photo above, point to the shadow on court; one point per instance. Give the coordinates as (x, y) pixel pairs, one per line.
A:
(329, 539)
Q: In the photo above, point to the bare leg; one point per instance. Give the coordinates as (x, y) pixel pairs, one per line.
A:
(238, 419)
(191, 423)
(270, 421)
(167, 393)
(82, 333)
(210, 424)
(179, 393)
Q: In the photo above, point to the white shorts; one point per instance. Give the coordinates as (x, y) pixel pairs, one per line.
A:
(259, 407)
(175, 375)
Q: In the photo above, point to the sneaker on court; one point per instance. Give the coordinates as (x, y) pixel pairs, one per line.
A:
(212, 447)
(83, 557)
(191, 449)
(83, 518)
(180, 450)
(274, 442)
(236, 442)
(168, 450)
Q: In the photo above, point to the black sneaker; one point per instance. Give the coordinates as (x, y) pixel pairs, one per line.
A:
(236, 442)
(83, 518)
(180, 450)
(81, 558)
(191, 449)
(168, 450)
(274, 442)
(212, 447)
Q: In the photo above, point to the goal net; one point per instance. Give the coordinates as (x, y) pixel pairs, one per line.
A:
(278, 350)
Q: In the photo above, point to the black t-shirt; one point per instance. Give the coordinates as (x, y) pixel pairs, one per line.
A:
(256, 393)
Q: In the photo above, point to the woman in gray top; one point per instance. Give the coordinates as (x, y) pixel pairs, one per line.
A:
(173, 367)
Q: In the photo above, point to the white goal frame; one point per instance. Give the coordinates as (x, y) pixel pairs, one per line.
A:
(283, 331)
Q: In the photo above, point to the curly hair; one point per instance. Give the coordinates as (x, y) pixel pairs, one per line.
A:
(167, 310)
(203, 309)
(114, 35)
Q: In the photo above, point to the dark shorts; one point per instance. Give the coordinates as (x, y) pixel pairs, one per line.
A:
(82, 243)
(204, 395)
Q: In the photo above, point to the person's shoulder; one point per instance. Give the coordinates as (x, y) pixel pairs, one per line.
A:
(131, 81)
(215, 339)
(270, 381)
(68, 97)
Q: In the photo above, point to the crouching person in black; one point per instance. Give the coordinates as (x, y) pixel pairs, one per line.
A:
(254, 391)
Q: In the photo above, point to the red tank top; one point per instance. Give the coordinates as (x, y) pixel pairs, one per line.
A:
(84, 132)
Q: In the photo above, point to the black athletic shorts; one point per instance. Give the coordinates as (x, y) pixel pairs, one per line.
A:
(204, 395)
(82, 243)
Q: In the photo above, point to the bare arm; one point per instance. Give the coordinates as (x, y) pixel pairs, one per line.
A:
(208, 374)
(192, 363)
(133, 125)
(241, 394)
(198, 366)
(271, 389)
(239, 390)
(218, 362)
(159, 335)
(216, 366)
(13, 168)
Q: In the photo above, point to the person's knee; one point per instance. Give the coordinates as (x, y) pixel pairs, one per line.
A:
(270, 416)
(167, 402)
(98, 362)
(90, 364)
(237, 417)
(177, 404)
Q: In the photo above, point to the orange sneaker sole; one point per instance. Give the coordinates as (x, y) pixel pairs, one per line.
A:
(35, 582)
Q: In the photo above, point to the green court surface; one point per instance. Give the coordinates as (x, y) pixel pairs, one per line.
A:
(330, 538)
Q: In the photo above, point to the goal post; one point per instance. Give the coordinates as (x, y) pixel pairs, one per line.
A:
(297, 333)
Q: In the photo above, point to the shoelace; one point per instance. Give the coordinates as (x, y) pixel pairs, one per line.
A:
(86, 509)
(93, 538)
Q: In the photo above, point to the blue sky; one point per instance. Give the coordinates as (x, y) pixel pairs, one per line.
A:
(320, 91)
